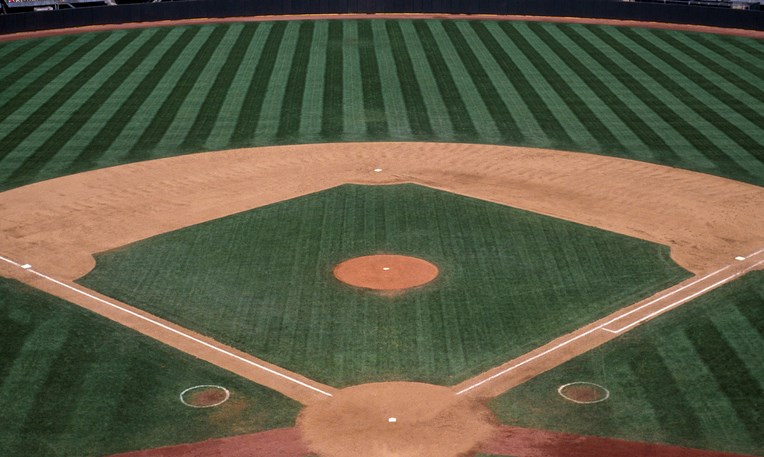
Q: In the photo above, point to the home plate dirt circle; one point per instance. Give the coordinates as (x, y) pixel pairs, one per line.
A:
(427, 421)
(386, 272)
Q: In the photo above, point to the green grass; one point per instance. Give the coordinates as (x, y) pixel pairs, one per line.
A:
(261, 281)
(692, 378)
(74, 384)
(86, 101)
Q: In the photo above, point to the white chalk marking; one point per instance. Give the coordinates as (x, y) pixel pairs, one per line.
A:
(740, 258)
(392, 420)
(26, 266)
(602, 326)
(386, 268)
(377, 170)
(583, 383)
(177, 332)
(205, 386)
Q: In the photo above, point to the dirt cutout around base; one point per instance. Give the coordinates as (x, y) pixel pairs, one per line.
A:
(385, 272)
(401, 419)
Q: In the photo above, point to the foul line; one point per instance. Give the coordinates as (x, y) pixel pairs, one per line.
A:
(177, 332)
(602, 326)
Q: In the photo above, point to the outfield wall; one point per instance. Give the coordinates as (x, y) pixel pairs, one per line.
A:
(603, 9)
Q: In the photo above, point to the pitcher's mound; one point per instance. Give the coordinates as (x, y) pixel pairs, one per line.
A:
(386, 272)
(401, 419)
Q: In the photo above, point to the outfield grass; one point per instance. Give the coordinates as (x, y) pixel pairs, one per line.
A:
(78, 102)
(74, 384)
(262, 281)
(692, 377)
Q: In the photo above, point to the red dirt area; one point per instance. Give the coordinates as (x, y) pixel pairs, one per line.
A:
(284, 442)
(583, 393)
(525, 442)
(386, 272)
(205, 397)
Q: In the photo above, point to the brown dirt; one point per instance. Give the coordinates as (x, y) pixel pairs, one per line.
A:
(386, 272)
(205, 397)
(524, 442)
(488, 17)
(430, 422)
(583, 393)
(283, 442)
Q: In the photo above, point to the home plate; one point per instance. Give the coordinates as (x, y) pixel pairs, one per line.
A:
(392, 420)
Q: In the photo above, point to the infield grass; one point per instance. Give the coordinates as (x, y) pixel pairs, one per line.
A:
(262, 281)
(74, 384)
(692, 377)
(78, 102)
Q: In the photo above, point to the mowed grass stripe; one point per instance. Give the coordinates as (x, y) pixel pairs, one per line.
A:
(373, 100)
(698, 103)
(354, 112)
(58, 395)
(670, 116)
(249, 117)
(725, 73)
(70, 58)
(210, 109)
(650, 369)
(392, 93)
(101, 143)
(752, 53)
(724, 49)
(56, 141)
(291, 106)
(553, 74)
(158, 125)
(731, 374)
(539, 109)
(31, 51)
(332, 116)
(416, 111)
(9, 52)
(500, 113)
(41, 114)
(458, 112)
(561, 45)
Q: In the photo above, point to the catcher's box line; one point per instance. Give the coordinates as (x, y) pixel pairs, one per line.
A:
(602, 326)
(159, 324)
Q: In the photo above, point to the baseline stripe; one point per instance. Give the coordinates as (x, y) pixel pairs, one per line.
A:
(177, 332)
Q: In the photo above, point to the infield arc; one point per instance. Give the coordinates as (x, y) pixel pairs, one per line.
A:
(386, 272)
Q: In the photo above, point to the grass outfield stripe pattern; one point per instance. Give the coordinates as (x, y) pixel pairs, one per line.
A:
(568, 94)
(546, 119)
(694, 134)
(74, 55)
(373, 101)
(332, 119)
(687, 100)
(210, 109)
(501, 114)
(728, 75)
(41, 115)
(418, 118)
(169, 109)
(458, 111)
(249, 116)
(33, 49)
(110, 130)
(291, 107)
(649, 369)
(55, 142)
(697, 102)
(731, 374)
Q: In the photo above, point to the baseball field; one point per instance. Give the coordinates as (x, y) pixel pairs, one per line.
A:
(386, 236)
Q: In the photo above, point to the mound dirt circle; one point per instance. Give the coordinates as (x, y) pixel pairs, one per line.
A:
(583, 392)
(401, 419)
(205, 396)
(386, 272)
